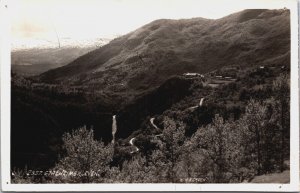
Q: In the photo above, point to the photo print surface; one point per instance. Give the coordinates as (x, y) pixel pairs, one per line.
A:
(127, 91)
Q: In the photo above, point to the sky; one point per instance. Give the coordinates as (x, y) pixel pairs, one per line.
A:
(83, 19)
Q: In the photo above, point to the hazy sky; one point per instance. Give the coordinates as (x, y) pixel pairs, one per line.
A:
(105, 18)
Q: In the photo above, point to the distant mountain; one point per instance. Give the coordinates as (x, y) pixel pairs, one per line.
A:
(63, 42)
(39, 60)
(36, 57)
(146, 57)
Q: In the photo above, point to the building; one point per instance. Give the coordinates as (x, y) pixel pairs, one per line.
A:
(193, 74)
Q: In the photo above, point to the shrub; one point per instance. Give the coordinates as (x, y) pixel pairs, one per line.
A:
(85, 158)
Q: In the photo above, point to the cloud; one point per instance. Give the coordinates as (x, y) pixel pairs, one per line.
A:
(30, 28)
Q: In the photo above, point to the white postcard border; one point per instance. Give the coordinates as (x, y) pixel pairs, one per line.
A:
(5, 129)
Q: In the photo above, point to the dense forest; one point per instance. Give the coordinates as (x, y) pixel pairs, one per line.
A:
(241, 131)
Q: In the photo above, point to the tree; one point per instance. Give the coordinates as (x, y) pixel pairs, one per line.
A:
(281, 88)
(134, 171)
(262, 133)
(85, 158)
(221, 147)
(272, 149)
(173, 139)
(165, 158)
(194, 163)
(253, 125)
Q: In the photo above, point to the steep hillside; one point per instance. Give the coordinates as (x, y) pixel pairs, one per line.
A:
(148, 56)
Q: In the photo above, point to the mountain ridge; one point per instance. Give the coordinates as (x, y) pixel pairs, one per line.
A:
(146, 57)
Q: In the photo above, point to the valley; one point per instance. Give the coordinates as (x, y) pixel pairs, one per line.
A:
(169, 93)
(41, 58)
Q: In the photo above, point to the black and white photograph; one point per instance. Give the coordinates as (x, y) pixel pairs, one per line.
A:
(168, 92)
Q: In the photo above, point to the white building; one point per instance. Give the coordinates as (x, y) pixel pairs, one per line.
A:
(193, 74)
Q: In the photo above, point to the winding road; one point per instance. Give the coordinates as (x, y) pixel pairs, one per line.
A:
(201, 102)
(132, 144)
(131, 141)
(114, 128)
(199, 105)
(152, 123)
